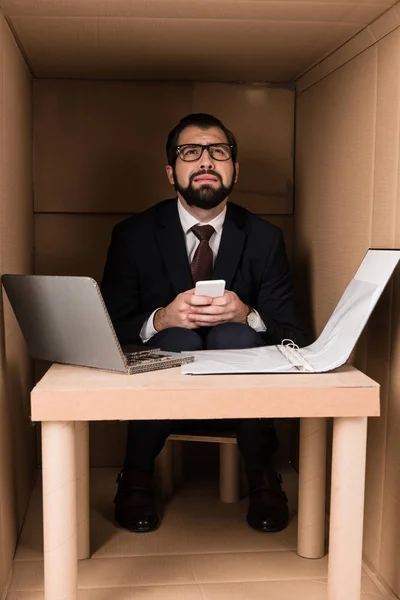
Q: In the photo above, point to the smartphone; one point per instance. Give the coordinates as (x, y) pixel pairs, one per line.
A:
(212, 288)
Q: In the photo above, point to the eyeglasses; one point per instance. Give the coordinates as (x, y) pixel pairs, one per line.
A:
(192, 152)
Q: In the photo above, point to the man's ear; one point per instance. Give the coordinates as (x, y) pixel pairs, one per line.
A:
(170, 174)
(237, 171)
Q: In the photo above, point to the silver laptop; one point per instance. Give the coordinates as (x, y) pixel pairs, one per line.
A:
(64, 320)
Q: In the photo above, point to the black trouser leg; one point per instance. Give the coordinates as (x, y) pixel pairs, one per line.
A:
(257, 442)
(144, 442)
(232, 336)
(146, 438)
(256, 438)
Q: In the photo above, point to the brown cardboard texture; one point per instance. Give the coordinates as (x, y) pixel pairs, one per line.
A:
(106, 162)
(16, 253)
(89, 90)
(356, 108)
(257, 41)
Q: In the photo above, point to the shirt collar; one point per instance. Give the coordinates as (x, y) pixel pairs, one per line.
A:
(188, 220)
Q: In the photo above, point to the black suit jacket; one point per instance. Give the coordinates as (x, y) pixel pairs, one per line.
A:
(147, 266)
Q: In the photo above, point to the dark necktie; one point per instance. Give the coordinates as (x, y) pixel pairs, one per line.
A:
(202, 263)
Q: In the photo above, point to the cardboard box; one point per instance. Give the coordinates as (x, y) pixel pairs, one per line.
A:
(89, 92)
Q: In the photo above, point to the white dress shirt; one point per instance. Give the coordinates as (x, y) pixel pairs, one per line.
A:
(187, 222)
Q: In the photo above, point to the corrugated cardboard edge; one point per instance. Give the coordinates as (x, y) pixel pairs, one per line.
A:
(369, 36)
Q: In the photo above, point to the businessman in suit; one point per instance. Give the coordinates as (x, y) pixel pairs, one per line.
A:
(153, 263)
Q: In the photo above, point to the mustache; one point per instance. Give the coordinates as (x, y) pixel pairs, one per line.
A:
(208, 172)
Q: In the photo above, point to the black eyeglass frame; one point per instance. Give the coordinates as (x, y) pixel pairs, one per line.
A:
(204, 147)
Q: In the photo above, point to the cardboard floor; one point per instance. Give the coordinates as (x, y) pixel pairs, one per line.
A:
(203, 551)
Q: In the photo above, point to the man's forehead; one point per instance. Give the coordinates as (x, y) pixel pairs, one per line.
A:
(195, 135)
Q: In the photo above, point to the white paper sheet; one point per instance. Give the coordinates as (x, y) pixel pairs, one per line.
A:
(332, 348)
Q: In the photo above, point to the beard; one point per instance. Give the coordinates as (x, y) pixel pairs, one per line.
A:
(205, 196)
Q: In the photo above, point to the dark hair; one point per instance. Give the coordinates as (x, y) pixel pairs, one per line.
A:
(203, 121)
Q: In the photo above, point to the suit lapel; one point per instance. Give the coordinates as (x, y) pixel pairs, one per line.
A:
(231, 246)
(171, 241)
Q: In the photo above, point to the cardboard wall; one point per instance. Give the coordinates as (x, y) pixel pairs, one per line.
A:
(16, 243)
(347, 198)
(142, 40)
(99, 155)
(105, 142)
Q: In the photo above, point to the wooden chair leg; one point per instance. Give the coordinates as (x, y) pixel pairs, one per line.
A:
(229, 473)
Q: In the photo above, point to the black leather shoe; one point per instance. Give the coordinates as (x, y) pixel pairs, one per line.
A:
(268, 506)
(135, 507)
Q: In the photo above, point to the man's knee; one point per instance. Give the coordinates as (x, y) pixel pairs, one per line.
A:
(257, 435)
(233, 336)
(177, 339)
(149, 429)
(256, 426)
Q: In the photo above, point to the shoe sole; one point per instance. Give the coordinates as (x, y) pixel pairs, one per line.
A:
(146, 529)
(275, 529)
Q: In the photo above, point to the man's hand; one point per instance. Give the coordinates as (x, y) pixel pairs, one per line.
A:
(177, 313)
(226, 309)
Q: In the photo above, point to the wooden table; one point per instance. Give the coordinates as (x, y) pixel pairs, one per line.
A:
(68, 397)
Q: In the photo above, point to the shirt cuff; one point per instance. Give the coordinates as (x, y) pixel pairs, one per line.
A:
(259, 324)
(147, 331)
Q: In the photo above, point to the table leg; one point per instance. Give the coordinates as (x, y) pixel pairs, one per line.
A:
(312, 486)
(82, 488)
(347, 508)
(59, 511)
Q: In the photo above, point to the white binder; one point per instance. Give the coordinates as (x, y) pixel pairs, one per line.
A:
(332, 348)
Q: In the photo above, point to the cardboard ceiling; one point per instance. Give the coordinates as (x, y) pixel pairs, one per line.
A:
(197, 40)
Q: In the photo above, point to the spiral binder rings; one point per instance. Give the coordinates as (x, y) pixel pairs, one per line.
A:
(332, 348)
(291, 352)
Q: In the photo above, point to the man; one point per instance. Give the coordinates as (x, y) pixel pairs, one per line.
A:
(153, 262)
